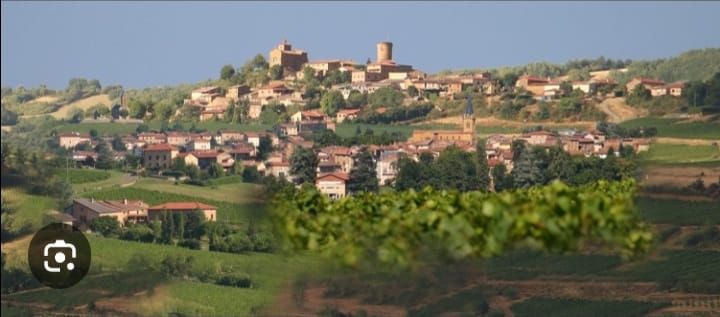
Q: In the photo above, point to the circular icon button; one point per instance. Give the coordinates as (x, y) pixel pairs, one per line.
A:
(59, 255)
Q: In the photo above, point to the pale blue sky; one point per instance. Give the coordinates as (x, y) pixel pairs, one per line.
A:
(164, 43)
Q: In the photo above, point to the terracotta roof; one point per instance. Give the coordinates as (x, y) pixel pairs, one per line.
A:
(159, 147)
(650, 81)
(339, 176)
(205, 154)
(313, 113)
(185, 205)
(677, 84)
(205, 89)
(349, 111)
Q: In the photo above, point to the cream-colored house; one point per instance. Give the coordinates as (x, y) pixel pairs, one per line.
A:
(332, 184)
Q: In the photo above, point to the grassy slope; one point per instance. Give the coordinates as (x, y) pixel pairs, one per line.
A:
(234, 193)
(85, 103)
(680, 153)
(672, 128)
(29, 210)
(269, 273)
(116, 179)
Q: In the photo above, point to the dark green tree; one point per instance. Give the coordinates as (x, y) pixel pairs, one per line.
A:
(363, 177)
(107, 226)
(331, 102)
(227, 72)
(303, 164)
(483, 169)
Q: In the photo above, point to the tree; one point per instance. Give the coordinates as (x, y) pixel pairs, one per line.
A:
(264, 147)
(250, 174)
(105, 159)
(331, 102)
(483, 169)
(412, 91)
(168, 227)
(117, 143)
(76, 115)
(215, 170)
(275, 72)
(363, 177)
(638, 95)
(387, 97)
(526, 171)
(456, 169)
(227, 72)
(8, 117)
(105, 225)
(137, 109)
(303, 164)
(501, 179)
(356, 99)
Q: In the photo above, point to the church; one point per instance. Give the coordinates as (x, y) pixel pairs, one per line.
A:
(466, 135)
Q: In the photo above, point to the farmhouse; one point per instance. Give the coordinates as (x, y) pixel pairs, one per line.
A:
(209, 211)
(346, 114)
(84, 210)
(69, 140)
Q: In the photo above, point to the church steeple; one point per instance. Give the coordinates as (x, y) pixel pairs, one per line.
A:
(469, 111)
(468, 117)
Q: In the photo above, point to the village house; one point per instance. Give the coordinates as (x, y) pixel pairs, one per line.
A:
(386, 166)
(322, 67)
(84, 210)
(540, 138)
(152, 137)
(204, 95)
(242, 152)
(307, 115)
(178, 138)
(675, 89)
(203, 159)
(333, 185)
(237, 92)
(158, 156)
(340, 155)
(226, 136)
(209, 211)
(534, 85)
(199, 144)
(84, 158)
(69, 140)
(650, 84)
(255, 110)
(346, 114)
(278, 169)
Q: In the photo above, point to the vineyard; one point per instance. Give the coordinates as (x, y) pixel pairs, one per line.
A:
(398, 228)
(81, 176)
(679, 212)
(586, 308)
(522, 265)
(228, 212)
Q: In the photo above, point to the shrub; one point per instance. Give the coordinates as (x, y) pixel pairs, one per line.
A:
(106, 226)
(138, 232)
(235, 280)
(190, 244)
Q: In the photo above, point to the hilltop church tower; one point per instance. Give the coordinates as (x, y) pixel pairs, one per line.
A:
(468, 117)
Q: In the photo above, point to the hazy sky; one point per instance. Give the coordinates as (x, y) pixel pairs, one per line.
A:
(146, 44)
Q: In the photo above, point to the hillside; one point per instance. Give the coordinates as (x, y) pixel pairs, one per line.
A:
(84, 104)
(691, 65)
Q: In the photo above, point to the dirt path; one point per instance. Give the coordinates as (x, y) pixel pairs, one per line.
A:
(618, 111)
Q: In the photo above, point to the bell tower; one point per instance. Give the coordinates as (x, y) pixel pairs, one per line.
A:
(468, 117)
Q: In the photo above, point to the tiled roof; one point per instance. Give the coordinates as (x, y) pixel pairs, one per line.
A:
(110, 206)
(339, 176)
(159, 147)
(185, 205)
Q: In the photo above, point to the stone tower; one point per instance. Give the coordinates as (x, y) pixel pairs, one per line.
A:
(384, 52)
(468, 118)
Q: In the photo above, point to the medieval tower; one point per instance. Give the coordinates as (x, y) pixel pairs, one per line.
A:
(384, 52)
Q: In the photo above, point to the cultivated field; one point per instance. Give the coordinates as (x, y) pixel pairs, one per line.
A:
(85, 103)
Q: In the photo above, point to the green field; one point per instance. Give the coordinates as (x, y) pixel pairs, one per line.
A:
(671, 127)
(586, 308)
(237, 193)
(679, 212)
(28, 211)
(680, 153)
(230, 212)
(690, 265)
(113, 274)
(520, 265)
(107, 128)
(114, 180)
(82, 175)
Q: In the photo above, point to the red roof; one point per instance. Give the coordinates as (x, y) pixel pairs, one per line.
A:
(205, 154)
(181, 206)
(338, 176)
(159, 147)
(677, 84)
(650, 81)
(313, 114)
(349, 111)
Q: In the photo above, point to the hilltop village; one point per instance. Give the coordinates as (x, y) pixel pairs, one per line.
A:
(269, 153)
